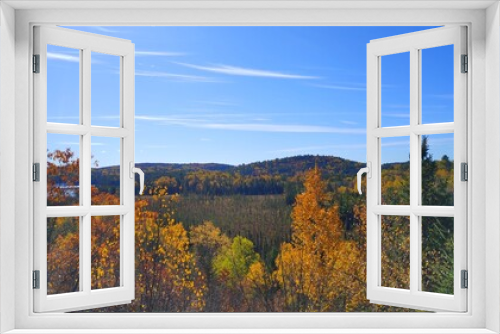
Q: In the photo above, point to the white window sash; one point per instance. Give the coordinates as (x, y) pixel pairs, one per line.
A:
(85, 298)
(415, 297)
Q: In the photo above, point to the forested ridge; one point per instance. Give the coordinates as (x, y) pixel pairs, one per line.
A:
(285, 235)
(260, 178)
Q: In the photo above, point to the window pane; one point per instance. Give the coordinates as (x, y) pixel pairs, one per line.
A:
(106, 170)
(63, 167)
(105, 252)
(63, 255)
(105, 90)
(63, 85)
(395, 157)
(395, 252)
(395, 90)
(437, 254)
(437, 84)
(437, 169)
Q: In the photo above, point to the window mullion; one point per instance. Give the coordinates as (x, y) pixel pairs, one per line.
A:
(85, 170)
(414, 172)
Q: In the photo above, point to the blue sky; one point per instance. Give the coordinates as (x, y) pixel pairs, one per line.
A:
(243, 94)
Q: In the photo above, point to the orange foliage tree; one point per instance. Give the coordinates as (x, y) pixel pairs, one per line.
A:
(167, 276)
(319, 269)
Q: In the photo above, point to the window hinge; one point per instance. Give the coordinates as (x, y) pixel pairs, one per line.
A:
(464, 171)
(36, 63)
(464, 279)
(36, 279)
(465, 64)
(36, 172)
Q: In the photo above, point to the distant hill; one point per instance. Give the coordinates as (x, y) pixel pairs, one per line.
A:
(263, 177)
(298, 164)
(185, 167)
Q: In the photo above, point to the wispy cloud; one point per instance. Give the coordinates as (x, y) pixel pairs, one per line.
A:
(63, 57)
(349, 122)
(163, 119)
(105, 29)
(255, 127)
(340, 87)
(248, 72)
(72, 57)
(159, 53)
(176, 77)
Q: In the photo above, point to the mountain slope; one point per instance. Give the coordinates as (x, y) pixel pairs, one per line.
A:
(264, 177)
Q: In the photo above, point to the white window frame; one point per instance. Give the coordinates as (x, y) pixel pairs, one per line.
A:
(483, 314)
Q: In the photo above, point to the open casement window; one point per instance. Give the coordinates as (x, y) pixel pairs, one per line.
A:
(71, 271)
(408, 228)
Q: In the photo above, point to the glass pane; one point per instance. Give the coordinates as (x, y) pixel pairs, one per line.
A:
(395, 90)
(105, 252)
(63, 85)
(105, 90)
(437, 254)
(437, 84)
(437, 169)
(106, 170)
(395, 157)
(63, 169)
(63, 255)
(395, 252)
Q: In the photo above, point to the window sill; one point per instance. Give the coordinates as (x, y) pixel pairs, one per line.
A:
(251, 331)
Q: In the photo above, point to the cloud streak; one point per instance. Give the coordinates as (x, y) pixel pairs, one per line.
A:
(340, 87)
(257, 127)
(164, 119)
(247, 72)
(253, 127)
(63, 57)
(159, 53)
(349, 122)
(177, 77)
(104, 29)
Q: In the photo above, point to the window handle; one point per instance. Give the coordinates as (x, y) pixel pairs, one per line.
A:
(368, 171)
(139, 171)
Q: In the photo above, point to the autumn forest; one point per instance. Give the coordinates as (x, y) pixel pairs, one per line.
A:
(284, 235)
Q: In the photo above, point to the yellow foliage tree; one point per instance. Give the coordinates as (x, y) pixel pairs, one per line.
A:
(319, 269)
(169, 279)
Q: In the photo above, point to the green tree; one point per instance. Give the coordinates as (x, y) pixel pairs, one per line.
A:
(235, 261)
